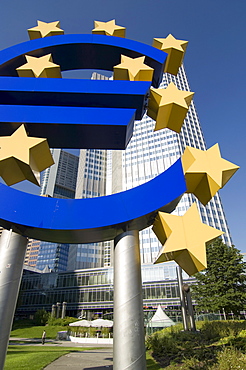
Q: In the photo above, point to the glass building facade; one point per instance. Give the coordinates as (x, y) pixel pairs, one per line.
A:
(91, 182)
(104, 172)
(58, 181)
(32, 252)
(52, 255)
(91, 291)
(148, 154)
(151, 152)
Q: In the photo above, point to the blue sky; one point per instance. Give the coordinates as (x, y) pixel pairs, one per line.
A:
(214, 62)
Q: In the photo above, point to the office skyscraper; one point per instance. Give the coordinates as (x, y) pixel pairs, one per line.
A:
(32, 252)
(58, 181)
(148, 154)
(91, 182)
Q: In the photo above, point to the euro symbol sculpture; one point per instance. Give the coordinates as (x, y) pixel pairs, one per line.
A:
(81, 114)
(91, 114)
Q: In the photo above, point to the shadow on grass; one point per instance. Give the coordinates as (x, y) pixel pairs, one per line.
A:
(23, 343)
(13, 350)
(151, 363)
(20, 351)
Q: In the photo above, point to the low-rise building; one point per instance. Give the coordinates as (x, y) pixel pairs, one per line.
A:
(89, 292)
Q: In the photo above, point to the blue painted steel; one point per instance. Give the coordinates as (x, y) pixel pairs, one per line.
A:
(87, 51)
(71, 127)
(94, 219)
(89, 114)
(75, 93)
(83, 52)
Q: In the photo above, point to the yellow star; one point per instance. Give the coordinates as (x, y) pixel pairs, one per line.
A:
(39, 67)
(44, 29)
(23, 157)
(175, 50)
(168, 107)
(185, 239)
(108, 28)
(133, 69)
(206, 172)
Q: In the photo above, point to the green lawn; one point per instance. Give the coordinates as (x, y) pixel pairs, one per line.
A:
(219, 345)
(36, 332)
(33, 357)
(38, 357)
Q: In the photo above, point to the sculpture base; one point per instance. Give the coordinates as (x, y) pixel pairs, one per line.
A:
(129, 346)
(12, 254)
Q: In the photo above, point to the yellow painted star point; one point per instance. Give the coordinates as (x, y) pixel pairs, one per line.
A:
(44, 29)
(185, 239)
(108, 28)
(133, 69)
(168, 107)
(39, 67)
(175, 50)
(206, 172)
(23, 157)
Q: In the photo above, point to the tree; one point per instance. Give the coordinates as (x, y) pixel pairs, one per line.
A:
(222, 286)
(41, 317)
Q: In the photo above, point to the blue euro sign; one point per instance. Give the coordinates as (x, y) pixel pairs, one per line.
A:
(90, 113)
(81, 114)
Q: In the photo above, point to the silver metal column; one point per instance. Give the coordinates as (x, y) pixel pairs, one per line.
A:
(12, 254)
(191, 311)
(182, 298)
(129, 346)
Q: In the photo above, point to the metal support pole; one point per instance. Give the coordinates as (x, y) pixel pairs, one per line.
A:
(129, 346)
(224, 314)
(182, 298)
(191, 311)
(12, 255)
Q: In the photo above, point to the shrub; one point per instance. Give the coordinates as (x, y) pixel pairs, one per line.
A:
(106, 331)
(81, 331)
(192, 363)
(171, 340)
(239, 342)
(215, 330)
(230, 359)
(23, 323)
(193, 351)
(242, 334)
(60, 322)
(41, 317)
(160, 342)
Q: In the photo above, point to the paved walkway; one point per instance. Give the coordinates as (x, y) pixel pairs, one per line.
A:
(99, 358)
